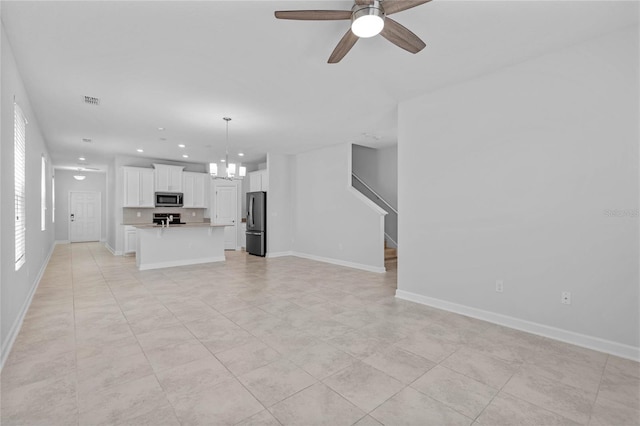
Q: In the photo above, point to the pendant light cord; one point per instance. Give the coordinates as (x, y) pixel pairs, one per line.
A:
(226, 159)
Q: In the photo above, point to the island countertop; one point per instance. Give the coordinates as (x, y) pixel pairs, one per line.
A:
(178, 245)
(183, 225)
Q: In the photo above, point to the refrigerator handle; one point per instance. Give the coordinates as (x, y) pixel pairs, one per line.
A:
(250, 212)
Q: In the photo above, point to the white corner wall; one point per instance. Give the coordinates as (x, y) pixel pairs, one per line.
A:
(17, 287)
(110, 208)
(333, 222)
(279, 205)
(529, 175)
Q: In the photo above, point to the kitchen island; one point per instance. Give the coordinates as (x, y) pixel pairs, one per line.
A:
(178, 245)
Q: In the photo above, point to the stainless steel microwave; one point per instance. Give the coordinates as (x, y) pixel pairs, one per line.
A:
(168, 199)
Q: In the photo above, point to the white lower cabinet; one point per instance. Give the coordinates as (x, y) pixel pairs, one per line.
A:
(130, 234)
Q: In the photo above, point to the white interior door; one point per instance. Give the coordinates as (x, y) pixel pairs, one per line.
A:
(226, 212)
(84, 216)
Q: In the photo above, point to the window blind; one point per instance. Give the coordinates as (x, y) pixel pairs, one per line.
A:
(43, 194)
(19, 138)
(53, 199)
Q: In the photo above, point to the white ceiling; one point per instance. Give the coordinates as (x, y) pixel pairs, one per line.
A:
(185, 65)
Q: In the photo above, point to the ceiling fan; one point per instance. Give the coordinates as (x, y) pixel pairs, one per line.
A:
(368, 18)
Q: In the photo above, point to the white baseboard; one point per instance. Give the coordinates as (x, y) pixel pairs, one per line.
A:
(339, 262)
(280, 254)
(173, 263)
(62, 242)
(113, 252)
(590, 342)
(17, 325)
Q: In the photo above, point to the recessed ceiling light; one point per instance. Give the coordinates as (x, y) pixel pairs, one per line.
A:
(223, 160)
(161, 129)
(81, 158)
(241, 154)
(182, 145)
(185, 156)
(140, 150)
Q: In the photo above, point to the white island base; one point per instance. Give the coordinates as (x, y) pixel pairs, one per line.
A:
(179, 246)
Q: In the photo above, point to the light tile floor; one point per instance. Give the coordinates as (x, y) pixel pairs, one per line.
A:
(289, 341)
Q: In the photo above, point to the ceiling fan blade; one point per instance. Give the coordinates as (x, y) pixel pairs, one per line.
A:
(344, 46)
(314, 15)
(401, 36)
(395, 6)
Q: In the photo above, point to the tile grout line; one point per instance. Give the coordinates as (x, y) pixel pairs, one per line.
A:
(139, 345)
(595, 399)
(221, 363)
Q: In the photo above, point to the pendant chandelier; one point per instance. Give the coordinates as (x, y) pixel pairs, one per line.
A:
(230, 167)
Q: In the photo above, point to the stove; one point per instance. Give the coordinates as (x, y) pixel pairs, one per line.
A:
(172, 218)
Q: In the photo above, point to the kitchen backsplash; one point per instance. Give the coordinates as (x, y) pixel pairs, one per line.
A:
(130, 215)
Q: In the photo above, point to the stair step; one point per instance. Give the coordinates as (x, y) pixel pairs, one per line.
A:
(390, 253)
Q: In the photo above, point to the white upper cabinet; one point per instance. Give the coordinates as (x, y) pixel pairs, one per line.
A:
(258, 181)
(194, 186)
(138, 187)
(168, 178)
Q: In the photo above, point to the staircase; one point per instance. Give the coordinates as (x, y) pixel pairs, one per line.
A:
(390, 223)
(390, 254)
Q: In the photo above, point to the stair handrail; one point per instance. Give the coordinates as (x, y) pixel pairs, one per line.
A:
(395, 243)
(374, 192)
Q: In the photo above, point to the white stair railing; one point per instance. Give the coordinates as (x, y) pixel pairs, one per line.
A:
(373, 195)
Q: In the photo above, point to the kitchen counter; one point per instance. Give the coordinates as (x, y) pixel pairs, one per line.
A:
(184, 225)
(178, 245)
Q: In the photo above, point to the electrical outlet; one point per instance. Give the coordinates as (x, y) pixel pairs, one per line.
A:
(138, 214)
(499, 286)
(566, 298)
(193, 214)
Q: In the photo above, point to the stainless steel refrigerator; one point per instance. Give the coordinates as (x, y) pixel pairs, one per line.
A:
(257, 223)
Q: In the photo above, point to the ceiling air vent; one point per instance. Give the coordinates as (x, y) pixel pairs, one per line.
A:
(88, 140)
(91, 100)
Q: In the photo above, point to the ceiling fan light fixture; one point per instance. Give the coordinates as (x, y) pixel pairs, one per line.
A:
(367, 21)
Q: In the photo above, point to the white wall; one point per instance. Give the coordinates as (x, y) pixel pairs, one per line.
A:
(510, 176)
(280, 204)
(65, 183)
(331, 220)
(110, 209)
(17, 287)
